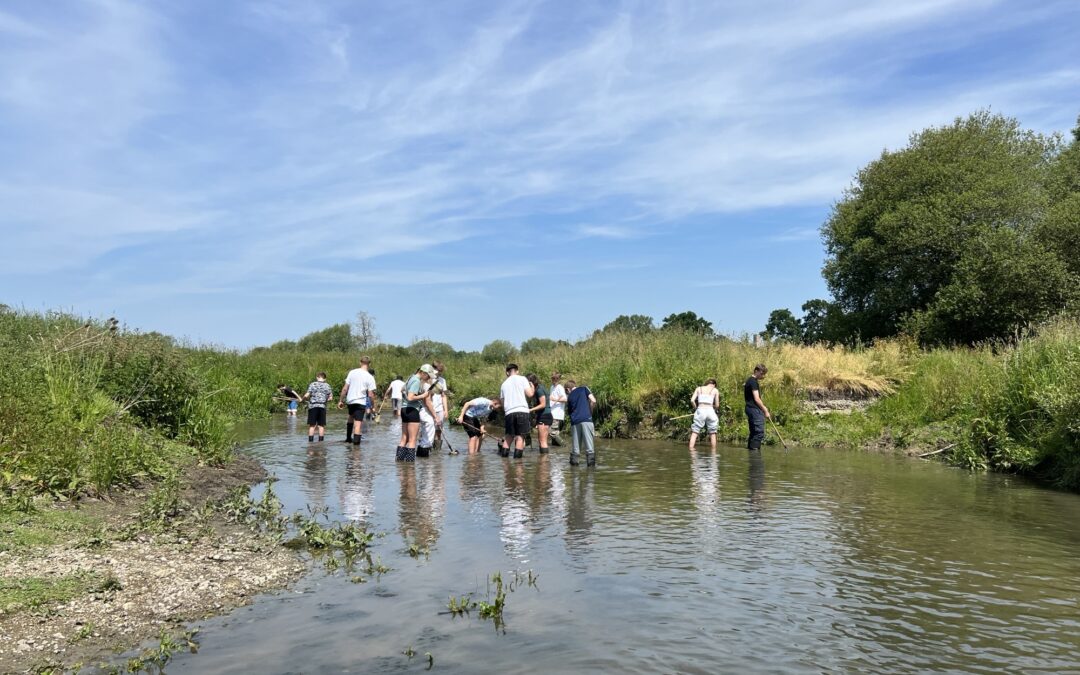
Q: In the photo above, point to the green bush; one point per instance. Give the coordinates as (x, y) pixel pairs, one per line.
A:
(89, 407)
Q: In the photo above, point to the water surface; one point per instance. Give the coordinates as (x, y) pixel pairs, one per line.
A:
(663, 560)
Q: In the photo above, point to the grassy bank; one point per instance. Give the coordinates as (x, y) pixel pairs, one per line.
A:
(1011, 407)
(638, 379)
(1007, 407)
(90, 406)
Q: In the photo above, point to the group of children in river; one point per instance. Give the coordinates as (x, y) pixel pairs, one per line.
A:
(423, 405)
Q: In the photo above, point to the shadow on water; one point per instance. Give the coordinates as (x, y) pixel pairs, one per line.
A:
(663, 559)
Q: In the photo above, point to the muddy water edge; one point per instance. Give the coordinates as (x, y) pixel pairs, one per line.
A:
(84, 582)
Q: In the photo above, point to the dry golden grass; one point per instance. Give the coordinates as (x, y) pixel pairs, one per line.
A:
(866, 372)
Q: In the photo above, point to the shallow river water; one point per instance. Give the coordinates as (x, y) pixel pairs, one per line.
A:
(663, 560)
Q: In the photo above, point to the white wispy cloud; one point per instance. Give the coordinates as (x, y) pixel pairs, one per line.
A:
(608, 232)
(316, 132)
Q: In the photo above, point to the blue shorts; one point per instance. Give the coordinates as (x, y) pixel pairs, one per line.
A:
(293, 405)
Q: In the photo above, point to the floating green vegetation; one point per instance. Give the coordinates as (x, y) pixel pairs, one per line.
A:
(350, 538)
(494, 605)
(339, 546)
(494, 610)
(462, 605)
(416, 550)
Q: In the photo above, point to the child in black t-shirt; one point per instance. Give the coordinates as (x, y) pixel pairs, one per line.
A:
(291, 397)
(756, 412)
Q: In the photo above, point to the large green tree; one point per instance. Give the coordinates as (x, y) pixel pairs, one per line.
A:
(537, 344)
(426, 349)
(942, 238)
(498, 351)
(782, 325)
(336, 338)
(1061, 227)
(632, 323)
(688, 321)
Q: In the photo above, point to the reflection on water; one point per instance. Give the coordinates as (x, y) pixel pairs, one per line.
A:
(756, 479)
(665, 560)
(357, 486)
(314, 475)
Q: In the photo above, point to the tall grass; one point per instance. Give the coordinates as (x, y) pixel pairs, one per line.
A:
(638, 379)
(87, 407)
(1010, 407)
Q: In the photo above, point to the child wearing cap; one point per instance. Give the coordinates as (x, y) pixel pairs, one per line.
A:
(415, 398)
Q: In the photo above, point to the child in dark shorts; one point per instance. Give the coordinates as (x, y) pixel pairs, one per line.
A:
(318, 394)
(472, 417)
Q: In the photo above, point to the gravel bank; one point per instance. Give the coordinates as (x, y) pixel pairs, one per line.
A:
(135, 588)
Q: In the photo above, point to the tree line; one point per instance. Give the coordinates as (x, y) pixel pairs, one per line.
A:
(361, 335)
(969, 233)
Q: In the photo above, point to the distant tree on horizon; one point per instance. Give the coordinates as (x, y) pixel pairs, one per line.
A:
(782, 325)
(632, 323)
(536, 344)
(689, 322)
(364, 333)
(336, 338)
(498, 351)
(429, 350)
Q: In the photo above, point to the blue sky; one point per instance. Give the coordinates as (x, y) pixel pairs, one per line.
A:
(243, 172)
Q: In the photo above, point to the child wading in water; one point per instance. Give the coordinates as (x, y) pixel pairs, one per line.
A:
(318, 393)
(290, 395)
(416, 397)
(542, 410)
(472, 417)
(706, 400)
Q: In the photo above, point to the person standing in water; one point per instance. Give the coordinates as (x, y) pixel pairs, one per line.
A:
(756, 412)
(542, 409)
(291, 397)
(557, 399)
(473, 415)
(359, 388)
(706, 401)
(441, 403)
(318, 394)
(514, 397)
(415, 398)
(394, 392)
(429, 415)
(580, 403)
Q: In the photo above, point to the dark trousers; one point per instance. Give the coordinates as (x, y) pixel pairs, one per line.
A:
(756, 419)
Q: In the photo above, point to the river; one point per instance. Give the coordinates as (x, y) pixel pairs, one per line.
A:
(663, 560)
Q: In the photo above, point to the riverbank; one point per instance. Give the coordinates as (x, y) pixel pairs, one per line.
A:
(85, 580)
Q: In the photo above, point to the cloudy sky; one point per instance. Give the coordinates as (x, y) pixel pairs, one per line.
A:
(242, 172)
